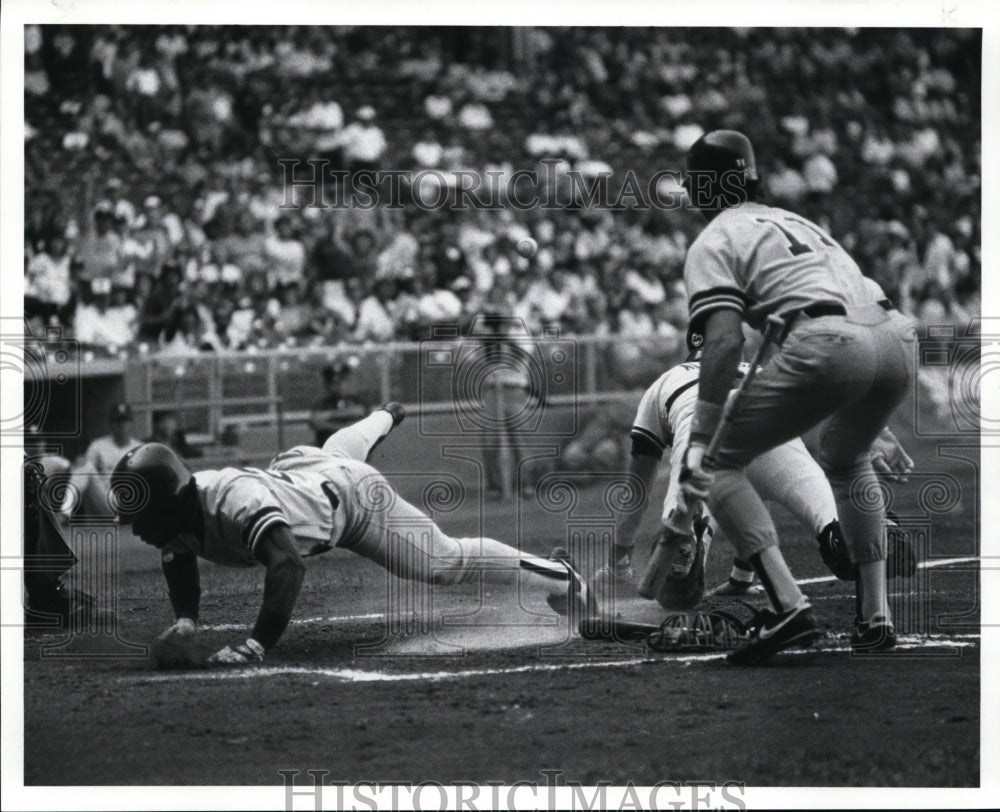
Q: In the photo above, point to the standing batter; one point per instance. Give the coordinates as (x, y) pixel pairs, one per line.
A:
(846, 355)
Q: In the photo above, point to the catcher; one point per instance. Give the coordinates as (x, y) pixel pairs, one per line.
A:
(306, 502)
(787, 475)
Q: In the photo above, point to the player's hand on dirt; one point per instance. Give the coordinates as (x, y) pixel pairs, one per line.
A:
(889, 458)
(695, 481)
(241, 654)
(183, 627)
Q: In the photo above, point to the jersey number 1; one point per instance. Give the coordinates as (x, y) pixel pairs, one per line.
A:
(795, 246)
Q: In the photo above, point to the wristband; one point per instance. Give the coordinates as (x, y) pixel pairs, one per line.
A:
(707, 416)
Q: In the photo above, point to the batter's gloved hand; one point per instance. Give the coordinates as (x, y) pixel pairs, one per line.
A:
(889, 458)
(242, 654)
(694, 479)
(183, 627)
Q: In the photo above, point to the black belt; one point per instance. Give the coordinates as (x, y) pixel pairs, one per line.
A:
(819, 310)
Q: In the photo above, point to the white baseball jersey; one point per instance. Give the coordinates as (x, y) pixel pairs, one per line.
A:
(103, 454)
(665, 411)
(304, 492)
(787, 474)
(759, 260)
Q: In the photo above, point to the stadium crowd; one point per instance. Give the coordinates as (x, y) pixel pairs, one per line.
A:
(154, 193)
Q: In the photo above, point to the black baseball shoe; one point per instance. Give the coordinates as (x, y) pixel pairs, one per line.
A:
(397, 410)
(877, 634)
(772, 632)
(579, 601)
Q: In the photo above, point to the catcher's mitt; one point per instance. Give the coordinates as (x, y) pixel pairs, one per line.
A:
(698, 631)
(684, 585)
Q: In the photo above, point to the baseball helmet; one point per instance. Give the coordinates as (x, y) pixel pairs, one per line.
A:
(723, 151)
(145, 482)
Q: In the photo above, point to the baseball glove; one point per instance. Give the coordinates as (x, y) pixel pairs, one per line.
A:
(698, 631)
(684, 585)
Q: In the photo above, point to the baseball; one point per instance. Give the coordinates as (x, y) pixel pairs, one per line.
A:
(527, 247)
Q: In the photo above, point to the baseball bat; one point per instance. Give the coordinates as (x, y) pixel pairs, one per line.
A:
(656, 569)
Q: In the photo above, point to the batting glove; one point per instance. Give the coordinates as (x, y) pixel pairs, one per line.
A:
(249, 652)
(183, 627)
(889, 458)
(694, 480)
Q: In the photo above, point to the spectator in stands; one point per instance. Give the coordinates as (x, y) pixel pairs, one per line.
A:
(105, 316)
(362, 141)
(47, 288)
(375, 316)
(158, 310)
(100, 249)
(286, 255)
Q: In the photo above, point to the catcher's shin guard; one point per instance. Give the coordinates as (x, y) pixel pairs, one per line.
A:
(833, 550)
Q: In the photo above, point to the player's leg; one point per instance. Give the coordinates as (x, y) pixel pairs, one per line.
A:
(800, 387)
(359, 440)
(384, 527)
(791, 477)
(844, 453)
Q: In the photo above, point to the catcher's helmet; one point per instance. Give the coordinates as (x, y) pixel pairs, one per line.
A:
(723, 151)
(145, 482)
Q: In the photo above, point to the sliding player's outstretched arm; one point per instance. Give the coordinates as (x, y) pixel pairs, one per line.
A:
(282, 583)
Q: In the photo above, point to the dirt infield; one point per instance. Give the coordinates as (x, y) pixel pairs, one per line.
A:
(370, 684)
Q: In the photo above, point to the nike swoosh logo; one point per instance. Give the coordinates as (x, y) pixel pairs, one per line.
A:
(766, 633)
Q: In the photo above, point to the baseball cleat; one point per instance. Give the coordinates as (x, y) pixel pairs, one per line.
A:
(771, 632)
(397, 410)
(877, 634)
(578, 602)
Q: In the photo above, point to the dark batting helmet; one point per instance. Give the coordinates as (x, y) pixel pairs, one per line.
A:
(145, 482)
(723, 151)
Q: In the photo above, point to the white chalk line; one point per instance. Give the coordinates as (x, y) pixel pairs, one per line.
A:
(333, 620)
(337, 620)
(934, 563)
(355, 675)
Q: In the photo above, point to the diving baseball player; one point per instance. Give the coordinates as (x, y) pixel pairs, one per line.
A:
(306, 502)
(845, 354)
(787, 475)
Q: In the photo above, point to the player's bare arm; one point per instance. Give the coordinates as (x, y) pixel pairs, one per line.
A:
(180, 570)
(719, 362)
(282, 584)
(720, 358)
(641, 467)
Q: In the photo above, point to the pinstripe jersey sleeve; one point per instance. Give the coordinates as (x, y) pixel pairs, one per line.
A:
(710, 276)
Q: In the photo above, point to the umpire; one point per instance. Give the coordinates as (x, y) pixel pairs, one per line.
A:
(846, 354)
